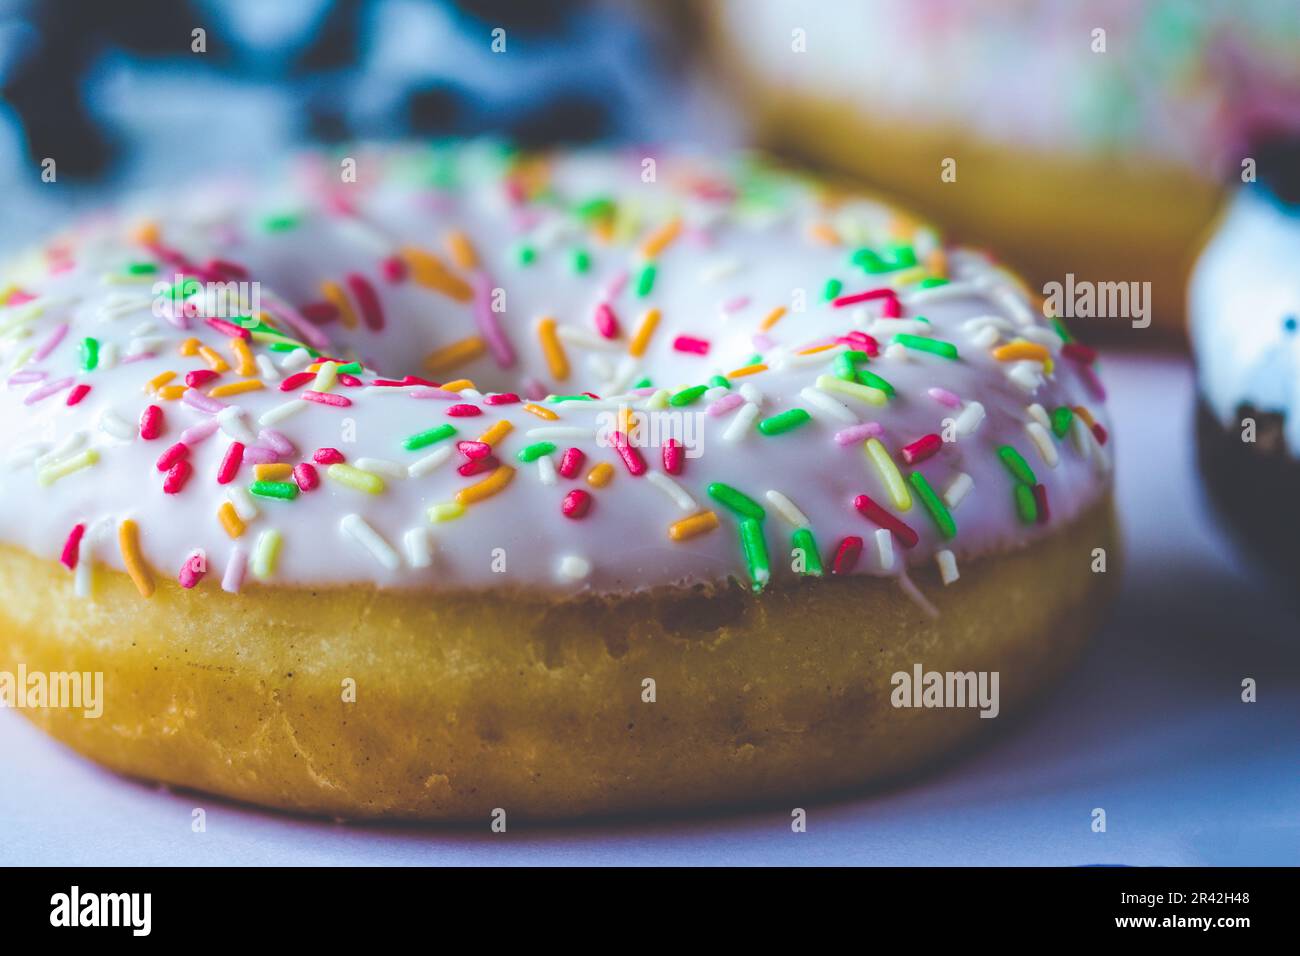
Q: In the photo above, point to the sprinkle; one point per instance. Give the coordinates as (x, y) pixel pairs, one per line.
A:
(1020, 350)
(572, 459)
(674, 456)
(327, 456)
(878, 515)
(231, 420)
(238, 388)
(872, 380)
(645, 280)
(1079, 353)
(72, 547)
(363, 533)
(534, 451)
(606, 321)
(128, 542)
(486, 488)
(576, 504)
(934, 346)
(724, 404)
(787, 509)
(675, 492)
(354, 478)
(236, 565)
(884, 548)
(831, 407)
(446, 511)
(947, 562)
(193, 569)
(244, 362)
(695, 525)
(327, 375)
(944, 397)
(1040, 500)
(266, 553)
(213, 358)
(772, 318)
(740, 425)
(632, 458)
(1061, 418)
(457, 353)
(426, 438)
(230, 520)
(172, 455)
(372, 312)
(462, 250)
(755, 548)
(832, 289)
(552, 349)
(863, 393)
(871, 294)
(846, 555)
(327, 398)
(496, 432)
(637, 346)
(806, 545)
(280, 412)
(736, 501)
(1017, 465)
(242, 502)
(501, 398)
(1026, 506)
(574, 568)
(784, 422)
(419, 549)
(691, 344)
(600, 475)
(687, 396)
(430, 271)
(279, 490)
(57, 335)
(89, 354)
(934, 505)
(889, 475)
(540, 412)
(968, 419)
(661, 238)
(927, 446)
(428, 463)
(273, 471)
(1043, 442)
(151, 422)
(957, 490)
(67, 466)
(753, 369)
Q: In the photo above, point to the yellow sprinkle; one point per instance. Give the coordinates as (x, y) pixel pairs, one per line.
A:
(599, 476)
(214, 359)
(660, 239)
(128, 542)
(158, 381)
(915, 274)
(273, 471)
(641, 339)
(556, 360)
(486, 488)
(430, 271)
(230, 520)
(244, 364)
(59, 469)
(190, 347)
(327, 376)
(692, 526)
(236, 388)
(627, 421)
(863, 393)
(540, 412)
(335, 295)
(888, 471)
(772, 318)
(146, 233)
(815, 349)
(747, 370)
(497, 432)
(823, 233)
(266, 553)
(1021, 350)
(462, 250)
(170, 393)
(355, 478)
(446, 511)
(457, 353)
(458, 385)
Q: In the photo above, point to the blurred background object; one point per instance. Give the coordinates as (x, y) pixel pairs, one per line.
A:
(1089, 138)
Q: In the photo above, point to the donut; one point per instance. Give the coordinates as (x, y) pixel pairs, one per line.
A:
(428, 482)
(1245, 323)
(1084, 139)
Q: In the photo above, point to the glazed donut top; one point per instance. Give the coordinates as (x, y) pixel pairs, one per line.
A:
(464, 367)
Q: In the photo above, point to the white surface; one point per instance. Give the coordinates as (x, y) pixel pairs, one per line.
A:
(1151, 728)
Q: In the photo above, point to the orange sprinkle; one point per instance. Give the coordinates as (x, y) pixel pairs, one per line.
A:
(244, 364)
(641, 339)
(457, 353)
(497, 432)
(128, 542)
(661, 238)
(747, 370)
(936, 263)
(430, 271)
(692, 526)
(486, 488)
(273, 471)
(772, 318)
(236, 388)
(170, 393)
(1018, 351)
(158, 381)
(599, 476)
(146, 233)
(230, 519)
(336, 297)
(462, 250)
(814, 350)
(1085, 415)
(190, 347)
(541, 412)
(627, 423)
(458, 385)
(823, 233)
(214, 359)
(556, 360)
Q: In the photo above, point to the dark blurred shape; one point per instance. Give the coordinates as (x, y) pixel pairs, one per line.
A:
(1277, 158)
(538, 16)
(336, 39)
(435, 109)
(571, 118)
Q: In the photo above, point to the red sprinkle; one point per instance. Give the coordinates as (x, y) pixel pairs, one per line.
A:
(1079, 353)
(630, 455)
(296, 380)
(176, 478)
(846, 555)
(172, 455)
(927, 446)
(606, 321)
(72, 547)
(1099, 433)
(874, 513)
(502, 398)
(571, 462)
(319, 313)
(372, 312)
(474, 450)
(350, 381)
(192, 571)
(328, 456)
(674, 457)
(1040, 499)
(151, 422)
(393, 268)
(855, 298)
(416, 380)
(892, 309)
(199, 377)
(464, 411)
(576, 504)
(78, 393)
(477, 465)
(230, 463)
(861, 341)
(229, 328)
(687, 343)
(226, 268)
(306, 476)
(327, 398)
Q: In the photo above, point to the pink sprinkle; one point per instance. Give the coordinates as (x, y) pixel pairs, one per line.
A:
(137, 357)
(631, 456)
(476, 465)
(296, 380)
(230, 463)
(944, 397)
(725, 404)
(78, 393)
(229, 328)
(226, 269)
(501, 398)
(464, 410)
(26, 378)
(176, 477)
(393, 269)
(893, 309)
(326, 398)
(192, 570)
(870, 294)
(687, 343)
(438, 394)
(606, 321)
(616, 285)
(319, 313)
(151, 422)
(673, 456)
(199, 431)
(858, 433)
(233, 579)
(534, 389)
(372, 312)
(860, 341)
(197, 400)
(762, 341)
(45, 391)
(328, 456)
(736, 304)
(278, 441)
(489, 325)
(350, 381)
(306, 476)
(260, 455)
(474, 450)
(199, 377)
(18, 297)
(172, 455)
(51, 342)
(576, 504)
(416, 380)
(72, 547)
(924, 447)
(571, 462)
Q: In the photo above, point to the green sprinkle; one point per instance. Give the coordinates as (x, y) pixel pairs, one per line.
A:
(526, 255)
(754, 359)
(642, 382)
(717, 381)
(901, 256)
(351, 368)
(426, 438)
(812, 561)
(688, 396)
(872, 380)
(869, 261)
(1061, 418)
(646, 280)
(1026, 506)
(89, 354)
(581, 261)
(933, 504)
(280, 222)
(921, 344)
(599, 207)
(1061, 330)
(846, 364)
(832, 289)
(289, 346)
(932, 282)
(737, 501)
(556, 399)
(1017, 465)
(281, 490)
(751, 539)
(141, 269)
(786, 421)
(535, 451)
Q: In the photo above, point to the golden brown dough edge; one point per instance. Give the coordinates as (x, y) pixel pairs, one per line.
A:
(469, 702)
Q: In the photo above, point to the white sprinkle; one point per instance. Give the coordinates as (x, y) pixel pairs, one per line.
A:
(952, 290)
(27, 454)
(382, 466)
(658, 400)
(107, 356)
(419, 548)
(471, 395)
(894, 353)
(297, 359)
(1039, 414)
(1025, 375)
(70, 445)
(546, 470)
(986, 338)
(429, 462)
(581, 338)
(741, 423)
(267, 367)
(280, 412)
(679, 495)
(830, 407)
(371, 540)
(719, 270)
(969, 419)
(243, 503)
(231, 419)
(957, 491)
(981, 322)
(715, 393)
(144, 344)
(788, 510)
(574, 568)
(1010, 300)
(885, 548)
(1041, 336)
(237, 564)
(947, 562)
(1043, 442)
(749, 391)
(562, 431)
(882, 327)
